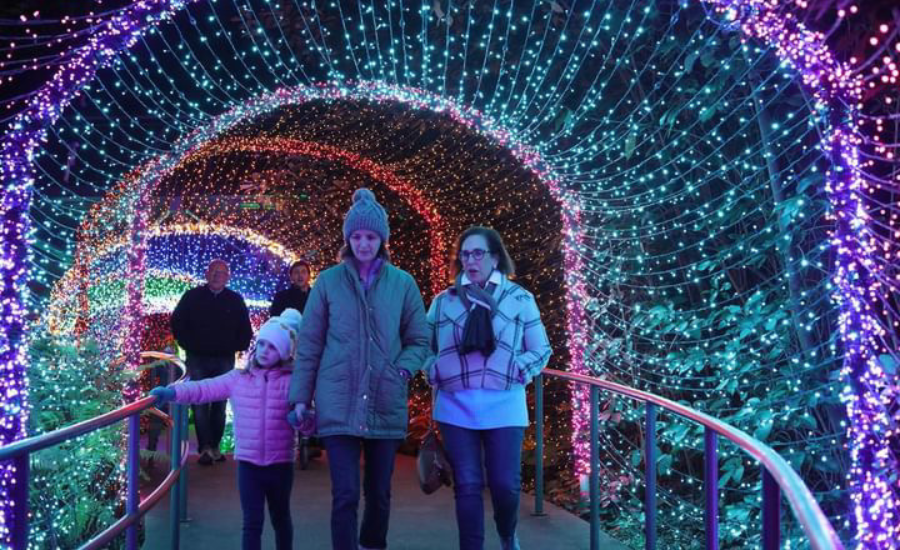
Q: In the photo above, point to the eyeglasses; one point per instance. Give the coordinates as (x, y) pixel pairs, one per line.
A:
(476, 254)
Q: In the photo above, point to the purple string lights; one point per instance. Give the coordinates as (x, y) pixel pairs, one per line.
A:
(27, 132)
(858, 291)
(867, 394)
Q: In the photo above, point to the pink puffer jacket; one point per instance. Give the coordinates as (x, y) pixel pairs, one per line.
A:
(259, 399)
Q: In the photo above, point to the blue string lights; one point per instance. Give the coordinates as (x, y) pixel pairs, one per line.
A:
(701, 163)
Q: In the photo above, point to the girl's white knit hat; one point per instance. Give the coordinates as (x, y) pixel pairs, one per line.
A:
(282, 334)
(291, 317)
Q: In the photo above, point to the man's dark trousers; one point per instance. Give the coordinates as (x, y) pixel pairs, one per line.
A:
(209, 418)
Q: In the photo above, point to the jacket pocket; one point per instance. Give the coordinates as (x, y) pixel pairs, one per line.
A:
(391, 393)
(501, 370)
(333, 399)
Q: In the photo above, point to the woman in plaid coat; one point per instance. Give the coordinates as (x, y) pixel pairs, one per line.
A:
(487, 343)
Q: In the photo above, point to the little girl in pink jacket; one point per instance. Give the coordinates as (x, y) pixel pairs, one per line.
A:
(264, 440)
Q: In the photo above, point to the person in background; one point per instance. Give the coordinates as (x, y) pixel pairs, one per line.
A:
(294, 296)
(487, 343)
(211, 323)
(363, 336)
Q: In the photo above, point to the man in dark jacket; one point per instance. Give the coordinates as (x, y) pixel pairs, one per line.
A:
(212, 323)
(295, 296)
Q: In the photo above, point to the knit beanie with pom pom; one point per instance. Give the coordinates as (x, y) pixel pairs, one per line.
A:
(366, 213)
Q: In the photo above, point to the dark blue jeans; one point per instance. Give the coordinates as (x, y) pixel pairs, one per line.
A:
(209, 418)
(503, 460)
(343, 464)
(259, 485)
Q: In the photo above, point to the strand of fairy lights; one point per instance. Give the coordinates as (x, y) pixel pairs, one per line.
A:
(760, 12)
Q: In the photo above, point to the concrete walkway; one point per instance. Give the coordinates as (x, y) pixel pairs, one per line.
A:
(418, 521)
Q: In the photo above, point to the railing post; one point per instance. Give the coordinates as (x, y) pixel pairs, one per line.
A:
(650, 472)
(131, 505)
(539, 445)
(771, 513)
(174, 492)
(19, 495)
(711, 487)
(594, 486)
(183, 478)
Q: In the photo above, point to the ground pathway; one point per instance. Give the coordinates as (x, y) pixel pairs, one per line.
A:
(418, 521)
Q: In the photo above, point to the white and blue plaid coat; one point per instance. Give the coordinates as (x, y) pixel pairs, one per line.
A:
(522, 350)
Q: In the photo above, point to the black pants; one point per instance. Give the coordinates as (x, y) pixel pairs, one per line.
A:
(154, 429)
(209, 418)
(343, 465)
(259, 485)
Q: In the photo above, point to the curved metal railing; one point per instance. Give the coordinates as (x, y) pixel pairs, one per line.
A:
(20, 451)
(778, 476)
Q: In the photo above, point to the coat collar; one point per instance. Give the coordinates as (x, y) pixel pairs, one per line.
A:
(496, 278)
(287, 368)
(352, 271)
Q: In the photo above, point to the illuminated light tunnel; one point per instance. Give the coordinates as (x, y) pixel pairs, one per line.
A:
(176, 261)
(679, 182)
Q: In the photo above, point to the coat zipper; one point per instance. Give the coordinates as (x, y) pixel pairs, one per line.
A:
(264, 409)
(369, 342)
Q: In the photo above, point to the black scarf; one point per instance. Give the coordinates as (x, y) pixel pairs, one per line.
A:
(478, 333)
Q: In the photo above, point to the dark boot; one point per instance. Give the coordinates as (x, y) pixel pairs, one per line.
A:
(510, 543)
(206, 458)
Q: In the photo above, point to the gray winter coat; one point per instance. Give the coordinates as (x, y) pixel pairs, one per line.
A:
(351, 346)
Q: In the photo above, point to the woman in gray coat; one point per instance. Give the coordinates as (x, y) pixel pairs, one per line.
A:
(363, 336)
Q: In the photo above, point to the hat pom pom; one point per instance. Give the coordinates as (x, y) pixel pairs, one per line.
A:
(363, 194)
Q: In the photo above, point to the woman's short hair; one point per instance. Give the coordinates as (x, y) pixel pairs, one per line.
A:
(346, 252)
(496, 247)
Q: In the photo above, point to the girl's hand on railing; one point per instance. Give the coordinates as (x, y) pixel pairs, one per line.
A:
(163, 395)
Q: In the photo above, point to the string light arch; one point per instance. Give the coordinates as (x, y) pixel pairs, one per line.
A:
(641, 174)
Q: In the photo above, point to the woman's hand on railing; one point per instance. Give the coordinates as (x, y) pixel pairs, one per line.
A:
(163, 395)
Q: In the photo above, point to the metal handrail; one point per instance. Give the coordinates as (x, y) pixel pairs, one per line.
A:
(49, 439)
(20, 452)
(145, 506)
(778, 476)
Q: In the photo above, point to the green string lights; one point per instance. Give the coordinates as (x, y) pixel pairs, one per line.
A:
(678, 182)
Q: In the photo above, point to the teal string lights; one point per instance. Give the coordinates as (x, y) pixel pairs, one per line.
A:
(686, 184)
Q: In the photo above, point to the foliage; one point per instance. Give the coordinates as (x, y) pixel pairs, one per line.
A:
(76, 486)
(745, 335)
